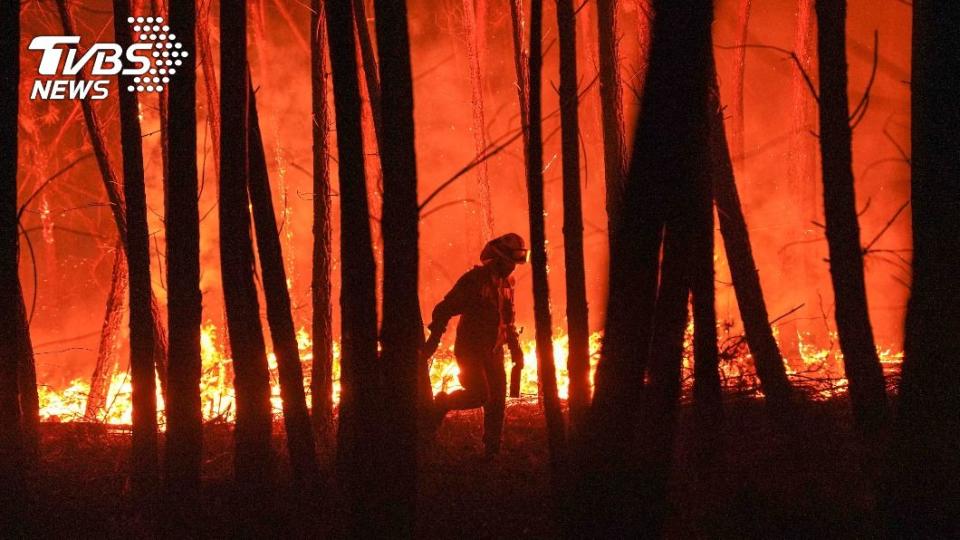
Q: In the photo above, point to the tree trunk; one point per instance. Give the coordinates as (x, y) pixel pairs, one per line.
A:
(253, 460)
(739, 73)
(743, 268)
(707, 392)
(867, 390)
(144, 458)
(284, 335)
(578, 330)
(546, 370)
(618, 489)
(13, 321)
(182, 451)
(521, 65)
(321, 377)
(474, 48)
(611, 107)
(209, 79)
(358, 302)
(112, 185)
(801, 207)
(107, 349)
(921, 495)
(402, 332)
(369, 64)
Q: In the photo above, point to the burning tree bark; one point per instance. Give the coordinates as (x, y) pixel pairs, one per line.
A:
(614, 153)
(253, 459)
(547, 378)
(622, 478)
(867, 387)
(921, 490)
(296, 418)
(358, 303)
(14, 333)
(144, 461)
(743, 268)
(321, 389)
(181, 466)
(402, 332)
(578, 329)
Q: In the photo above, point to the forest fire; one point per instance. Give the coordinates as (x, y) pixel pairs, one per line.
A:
(819, 372)
(239, 240)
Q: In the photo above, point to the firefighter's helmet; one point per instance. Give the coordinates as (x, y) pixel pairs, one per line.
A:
(509, 247)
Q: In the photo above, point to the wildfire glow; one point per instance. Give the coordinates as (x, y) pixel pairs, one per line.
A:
(821, 373)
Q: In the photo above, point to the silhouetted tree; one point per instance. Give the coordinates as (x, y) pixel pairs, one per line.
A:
(621, 478)
(321, 377)
(144, 461)
(253, 459)
(13, 318)
(113, 186)
(922, 495)
(358, 303)
(402, 332)
(296, 418)
(743, 268)
(546, 370)
(611, 107)
(706, 358)
(578, 329)
(181, 465)
(867, 390)
(368, 58)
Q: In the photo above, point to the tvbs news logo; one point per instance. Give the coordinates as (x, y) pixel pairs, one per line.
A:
(152, 60)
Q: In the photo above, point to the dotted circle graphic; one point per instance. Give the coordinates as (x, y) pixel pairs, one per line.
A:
(166, 52)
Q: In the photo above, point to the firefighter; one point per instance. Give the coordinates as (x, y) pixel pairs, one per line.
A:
(483, 298)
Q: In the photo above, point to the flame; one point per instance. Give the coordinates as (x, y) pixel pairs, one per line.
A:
(821, 372)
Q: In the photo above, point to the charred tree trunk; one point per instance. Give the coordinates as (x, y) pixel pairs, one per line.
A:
(867, 387)
(321, 377)
(295, 415)
(253, 460)
(182, 450)
(611, 107)
(109, 344)
(621, 477)
(546, 368)
(13, 319)
(144, 460)
(112, 185)
(578, 328)
(743, 268)
(922, 496)
(746, 278)
(402, 332)
(358, 302)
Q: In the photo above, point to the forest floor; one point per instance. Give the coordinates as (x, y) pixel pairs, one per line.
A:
(814, 479)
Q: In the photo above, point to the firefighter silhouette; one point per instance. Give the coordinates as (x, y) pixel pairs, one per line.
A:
(483, 298)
